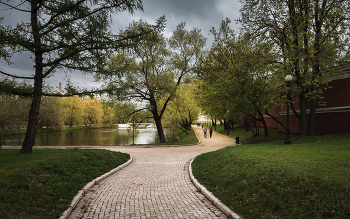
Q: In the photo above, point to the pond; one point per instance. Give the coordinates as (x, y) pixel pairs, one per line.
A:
(95, 137)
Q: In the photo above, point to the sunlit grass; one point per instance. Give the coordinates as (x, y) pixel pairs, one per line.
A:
(42, 184)
(187, 138)
(308, 179)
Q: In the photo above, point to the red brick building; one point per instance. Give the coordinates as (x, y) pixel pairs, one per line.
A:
(332, 118)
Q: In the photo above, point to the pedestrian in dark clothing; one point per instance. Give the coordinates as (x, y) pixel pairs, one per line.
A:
(211, 131)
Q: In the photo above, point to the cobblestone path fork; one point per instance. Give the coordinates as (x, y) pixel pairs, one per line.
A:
(155, 185)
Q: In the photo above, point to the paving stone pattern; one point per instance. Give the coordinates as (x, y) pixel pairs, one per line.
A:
(155, 185)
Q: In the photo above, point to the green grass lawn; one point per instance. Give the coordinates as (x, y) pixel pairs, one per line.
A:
(42, 184)
(187, 138)
(308, 179)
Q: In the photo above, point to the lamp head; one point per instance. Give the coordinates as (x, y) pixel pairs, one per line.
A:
(288, 78)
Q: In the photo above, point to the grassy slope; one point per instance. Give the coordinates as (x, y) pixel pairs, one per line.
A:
(308, 179)
(42, 184)
(189, 138)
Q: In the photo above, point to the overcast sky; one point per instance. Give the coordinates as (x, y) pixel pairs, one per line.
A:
(203, 14)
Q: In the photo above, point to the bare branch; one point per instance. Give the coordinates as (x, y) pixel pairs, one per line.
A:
(15, 76)
(13, 7)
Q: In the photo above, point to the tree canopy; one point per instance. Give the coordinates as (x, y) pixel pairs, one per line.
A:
(238, 76)
(152, 71)
(311, 37)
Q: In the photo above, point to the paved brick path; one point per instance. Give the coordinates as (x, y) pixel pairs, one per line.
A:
(155, 185)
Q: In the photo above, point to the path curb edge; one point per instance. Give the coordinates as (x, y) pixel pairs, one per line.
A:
(211, 197)
(88, 186)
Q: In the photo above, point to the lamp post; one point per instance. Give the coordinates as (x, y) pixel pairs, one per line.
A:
(288, 79)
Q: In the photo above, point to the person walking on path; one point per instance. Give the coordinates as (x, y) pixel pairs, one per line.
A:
(211, 131)
(205, 132)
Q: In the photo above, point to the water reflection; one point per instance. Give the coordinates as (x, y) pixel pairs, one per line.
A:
(95, 137)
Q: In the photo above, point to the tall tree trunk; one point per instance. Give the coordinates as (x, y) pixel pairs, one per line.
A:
(316, 66)
(157, 120)
(159, 126)
(29, 140)
(299, 78)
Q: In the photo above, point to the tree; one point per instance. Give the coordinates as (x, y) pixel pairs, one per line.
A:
(73, 111)
(14, 111)
(61, 35)
(108, 113)
(153, 71)
(93, 111)
(310, 35)
(51, 113)
(237, 73)
(183, 109)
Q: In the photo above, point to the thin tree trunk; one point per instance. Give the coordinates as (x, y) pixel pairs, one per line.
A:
(231, 122)
(190, 121)
(246, 124)
(29, 140)
(302, 107)
(266, 130)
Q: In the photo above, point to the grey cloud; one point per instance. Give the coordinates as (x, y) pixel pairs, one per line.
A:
(203, 14)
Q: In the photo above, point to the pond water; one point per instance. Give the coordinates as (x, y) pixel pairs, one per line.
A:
(95, 137)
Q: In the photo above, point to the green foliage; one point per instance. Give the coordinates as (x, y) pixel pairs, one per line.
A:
(308, 179)
(93, 112)
(78, 111)
(42, 184)
(73, 111)
(8, 87)
(51, 113)
(14, 112)
(183, 109)
(237, 75)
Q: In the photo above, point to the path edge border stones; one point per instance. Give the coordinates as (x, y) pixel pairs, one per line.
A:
(88, 186)
(211, 197)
